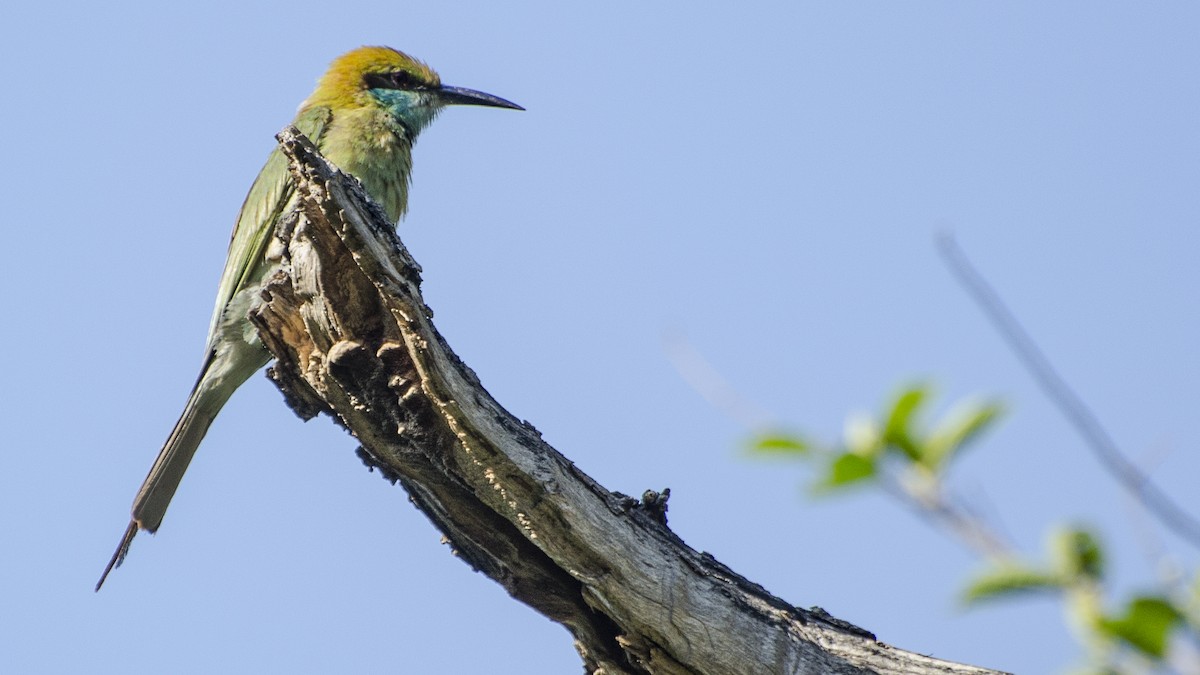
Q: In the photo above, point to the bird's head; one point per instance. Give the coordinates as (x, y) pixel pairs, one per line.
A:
(384, 77)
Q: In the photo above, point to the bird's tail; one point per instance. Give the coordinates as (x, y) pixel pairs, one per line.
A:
(217, 382)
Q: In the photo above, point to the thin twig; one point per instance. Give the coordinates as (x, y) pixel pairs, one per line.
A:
(939, 511)
(704, 377)
(1072, 407)
(1171, 575)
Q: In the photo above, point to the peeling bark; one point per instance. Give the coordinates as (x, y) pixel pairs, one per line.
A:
(352, 338)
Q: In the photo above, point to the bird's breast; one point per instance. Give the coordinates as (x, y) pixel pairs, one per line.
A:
(375, 149)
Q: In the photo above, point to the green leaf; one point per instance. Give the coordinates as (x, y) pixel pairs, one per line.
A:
(1077, 553)
(1008, 580)
(962, 425)
(780, 444)
(897, 430)
(848, 468)
(1146, 625)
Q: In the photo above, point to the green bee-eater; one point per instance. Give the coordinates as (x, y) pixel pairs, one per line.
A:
(364, 116)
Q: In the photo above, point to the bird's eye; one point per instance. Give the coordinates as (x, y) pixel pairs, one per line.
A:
(406, 80)
(396, 79)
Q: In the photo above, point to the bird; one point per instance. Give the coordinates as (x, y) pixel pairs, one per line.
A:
(364, 115)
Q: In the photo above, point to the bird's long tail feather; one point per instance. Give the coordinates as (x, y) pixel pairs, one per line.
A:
(212, 390)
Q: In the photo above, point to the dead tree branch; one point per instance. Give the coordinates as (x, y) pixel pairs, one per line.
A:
(352, 337)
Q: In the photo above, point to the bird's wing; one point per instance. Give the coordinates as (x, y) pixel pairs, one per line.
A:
(268, 197)
(224, 372)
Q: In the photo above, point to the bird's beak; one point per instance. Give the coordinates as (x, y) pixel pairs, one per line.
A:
(462, 96)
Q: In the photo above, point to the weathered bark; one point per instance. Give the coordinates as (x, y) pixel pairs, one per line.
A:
(352, 337)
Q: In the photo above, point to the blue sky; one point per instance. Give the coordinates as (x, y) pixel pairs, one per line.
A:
(763, 181)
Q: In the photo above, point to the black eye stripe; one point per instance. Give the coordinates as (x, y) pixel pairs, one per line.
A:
(406, 80)
(396, 79)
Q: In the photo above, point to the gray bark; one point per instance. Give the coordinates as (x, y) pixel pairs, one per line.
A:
(352, 337)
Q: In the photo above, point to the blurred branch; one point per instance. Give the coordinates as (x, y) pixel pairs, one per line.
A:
(1069, 403)
(707, 381)
(353, 338)
(971, 529)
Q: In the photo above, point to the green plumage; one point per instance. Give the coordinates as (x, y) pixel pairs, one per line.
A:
(364, 116)
(267, 200)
